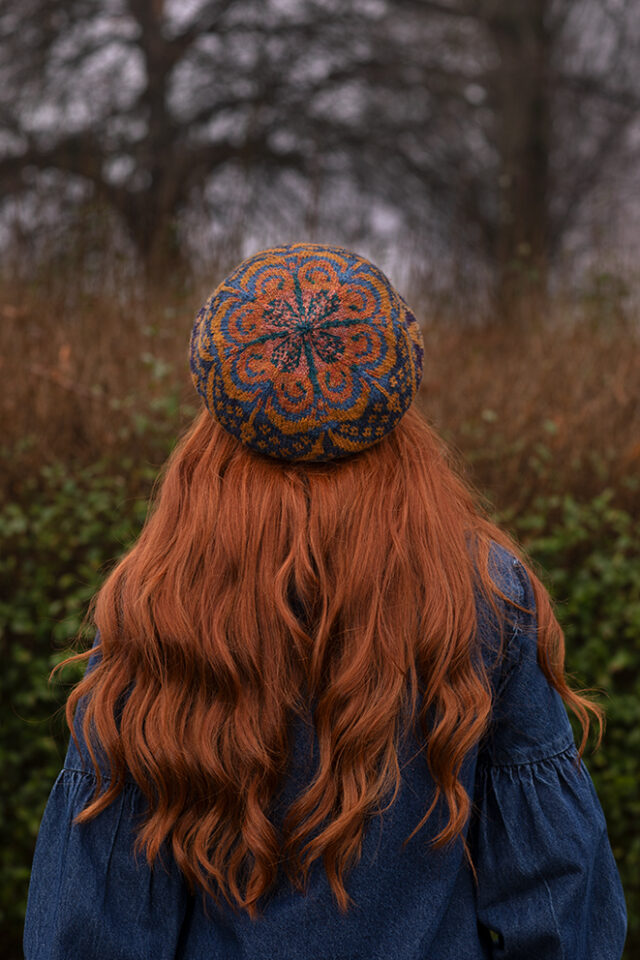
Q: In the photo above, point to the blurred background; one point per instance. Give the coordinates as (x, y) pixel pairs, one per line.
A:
(485, 153)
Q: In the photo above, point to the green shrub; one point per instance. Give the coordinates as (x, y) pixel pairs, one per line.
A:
(590, 559)
(54, 548)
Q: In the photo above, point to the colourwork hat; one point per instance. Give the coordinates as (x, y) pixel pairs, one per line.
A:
(306, 352)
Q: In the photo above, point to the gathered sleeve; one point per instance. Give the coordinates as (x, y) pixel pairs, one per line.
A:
(548, 885)
(89, 898)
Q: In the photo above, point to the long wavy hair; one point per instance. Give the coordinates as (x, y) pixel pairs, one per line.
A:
(258, 587)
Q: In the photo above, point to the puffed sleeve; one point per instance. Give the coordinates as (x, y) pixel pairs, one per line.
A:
(548, 885)
(89, 898)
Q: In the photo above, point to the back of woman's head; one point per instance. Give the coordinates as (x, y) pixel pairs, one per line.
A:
(260, 589)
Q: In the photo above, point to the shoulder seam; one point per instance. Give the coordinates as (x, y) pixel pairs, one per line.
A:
(92, 776)
(85, 773)
(570, 749)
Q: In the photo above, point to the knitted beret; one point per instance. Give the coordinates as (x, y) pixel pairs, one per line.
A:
(306, 352)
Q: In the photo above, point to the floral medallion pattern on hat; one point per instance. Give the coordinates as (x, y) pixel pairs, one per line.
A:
(306, 352)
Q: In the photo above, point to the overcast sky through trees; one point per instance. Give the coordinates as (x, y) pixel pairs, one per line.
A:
(493, 143)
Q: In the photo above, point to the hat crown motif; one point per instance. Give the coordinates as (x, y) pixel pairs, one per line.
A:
(306, 352)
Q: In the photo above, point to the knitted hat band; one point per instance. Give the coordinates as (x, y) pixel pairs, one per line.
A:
(306, 352)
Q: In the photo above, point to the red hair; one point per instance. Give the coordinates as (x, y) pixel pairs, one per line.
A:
(259, 585)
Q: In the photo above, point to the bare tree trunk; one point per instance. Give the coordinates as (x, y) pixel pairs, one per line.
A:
(522, 91)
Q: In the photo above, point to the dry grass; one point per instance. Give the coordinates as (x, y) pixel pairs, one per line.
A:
(551, 405)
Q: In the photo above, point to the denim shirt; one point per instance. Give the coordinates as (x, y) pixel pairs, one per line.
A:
(547, 883)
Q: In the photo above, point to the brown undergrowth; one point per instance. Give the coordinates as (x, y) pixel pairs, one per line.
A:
(549, 405)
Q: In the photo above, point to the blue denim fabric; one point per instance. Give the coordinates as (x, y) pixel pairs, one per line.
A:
(548, 887)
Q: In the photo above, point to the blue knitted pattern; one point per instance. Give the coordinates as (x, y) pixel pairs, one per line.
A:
(306, 352)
